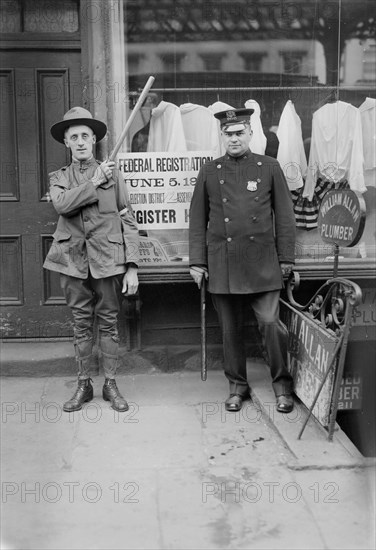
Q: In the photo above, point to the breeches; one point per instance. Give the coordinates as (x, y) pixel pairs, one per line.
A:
(90, 298)
(231, 309)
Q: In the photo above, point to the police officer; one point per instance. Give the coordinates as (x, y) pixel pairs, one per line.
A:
(95, 249)
(242, 240)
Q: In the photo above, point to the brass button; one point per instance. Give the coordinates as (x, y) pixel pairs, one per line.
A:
(222, 181)
(229, 239)
(254, 218)
(251, 238)
(225, 200)
(227, 220)
(219, 166)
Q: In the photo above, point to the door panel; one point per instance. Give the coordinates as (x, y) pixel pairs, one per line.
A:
(37, 88)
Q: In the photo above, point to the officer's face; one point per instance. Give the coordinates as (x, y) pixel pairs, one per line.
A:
(237, 142)
(80, 140)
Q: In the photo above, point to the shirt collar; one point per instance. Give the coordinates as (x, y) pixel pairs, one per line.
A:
(84, 163)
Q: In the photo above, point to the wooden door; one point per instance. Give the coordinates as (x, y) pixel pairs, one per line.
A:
(37, 88)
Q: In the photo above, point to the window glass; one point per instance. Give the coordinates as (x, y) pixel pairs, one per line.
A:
(39, 16)
(10, 16)
(310, 62)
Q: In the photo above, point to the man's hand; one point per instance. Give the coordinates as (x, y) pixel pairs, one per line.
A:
(286, 269)
(197, 273)
(103, 173)
(130, 281)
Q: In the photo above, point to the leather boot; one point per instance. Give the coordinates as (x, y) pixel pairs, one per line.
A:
(84, 392)
(111, 393)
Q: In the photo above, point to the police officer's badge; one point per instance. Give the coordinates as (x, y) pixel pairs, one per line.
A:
(252, 185)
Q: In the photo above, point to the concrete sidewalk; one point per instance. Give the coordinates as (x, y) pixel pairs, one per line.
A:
(176, 470)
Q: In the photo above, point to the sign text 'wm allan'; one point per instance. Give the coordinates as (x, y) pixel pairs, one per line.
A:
(310, 351)
(342, 217)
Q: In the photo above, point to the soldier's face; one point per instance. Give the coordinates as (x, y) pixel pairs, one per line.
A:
(80, 140)
(237, 142)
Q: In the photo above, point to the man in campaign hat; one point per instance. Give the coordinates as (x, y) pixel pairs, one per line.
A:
(242, 240)
(95, 249)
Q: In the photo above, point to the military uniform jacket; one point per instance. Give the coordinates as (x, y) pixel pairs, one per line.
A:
(242, 224)
(91, 233)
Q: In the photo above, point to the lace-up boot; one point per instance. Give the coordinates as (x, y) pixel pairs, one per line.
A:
(84, 392)
(111, 393)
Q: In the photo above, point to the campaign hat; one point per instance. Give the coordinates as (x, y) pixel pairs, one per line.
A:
(233, 120)
(77, 116)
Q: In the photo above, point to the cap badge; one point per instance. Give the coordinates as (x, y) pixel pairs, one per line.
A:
(230, 115)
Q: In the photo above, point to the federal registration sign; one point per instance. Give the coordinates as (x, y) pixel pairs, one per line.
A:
(342, 217)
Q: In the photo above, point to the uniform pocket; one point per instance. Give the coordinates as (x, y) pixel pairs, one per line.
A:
(116, 248)
(115, 238)
(60, 236)
(59, 252)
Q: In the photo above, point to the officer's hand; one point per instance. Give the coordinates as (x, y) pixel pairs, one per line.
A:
(197, 273)
(286, 269)
(103, 173)
(130, 281)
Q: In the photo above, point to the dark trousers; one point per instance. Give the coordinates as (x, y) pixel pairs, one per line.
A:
(91, 297)
(87, 299)
(231, 310)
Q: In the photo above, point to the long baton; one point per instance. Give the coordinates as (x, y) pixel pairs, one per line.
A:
(137, 107)
(204, 367)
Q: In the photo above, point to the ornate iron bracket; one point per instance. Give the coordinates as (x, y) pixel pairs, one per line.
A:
(331, 304)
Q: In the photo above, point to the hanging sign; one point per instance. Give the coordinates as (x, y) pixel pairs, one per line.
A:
(310, 351)
(342, 217)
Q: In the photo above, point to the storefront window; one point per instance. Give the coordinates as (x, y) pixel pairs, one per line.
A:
(310, 62)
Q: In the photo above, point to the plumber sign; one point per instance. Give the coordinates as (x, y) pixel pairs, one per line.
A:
(342, 217)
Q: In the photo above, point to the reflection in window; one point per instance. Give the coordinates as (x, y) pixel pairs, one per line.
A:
(134, 60)
(252, 61)
(205, 52)
(292, 62)
(172, 62)
(369, 63)
(212, 61)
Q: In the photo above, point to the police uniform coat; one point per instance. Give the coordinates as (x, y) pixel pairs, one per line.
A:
(91, 233)
(242, 224)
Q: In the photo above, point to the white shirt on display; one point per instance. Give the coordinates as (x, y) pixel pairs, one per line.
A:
(336, 150)
(166, 129)
(291, 154)
(200, 129)
(217, 107)
(258, 140)
(368, 116)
